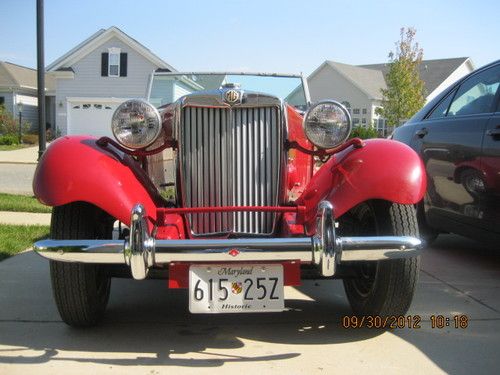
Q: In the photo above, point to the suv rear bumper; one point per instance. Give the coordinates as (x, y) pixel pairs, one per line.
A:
(141, 252)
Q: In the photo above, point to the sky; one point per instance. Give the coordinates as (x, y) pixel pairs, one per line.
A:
(254, 35)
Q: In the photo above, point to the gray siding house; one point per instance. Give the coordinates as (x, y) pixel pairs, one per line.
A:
(96, 76)
(18, 91)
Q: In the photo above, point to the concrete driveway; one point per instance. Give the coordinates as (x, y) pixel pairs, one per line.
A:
(148, 329)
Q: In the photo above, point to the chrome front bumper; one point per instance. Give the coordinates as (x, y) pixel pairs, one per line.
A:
(141, 252)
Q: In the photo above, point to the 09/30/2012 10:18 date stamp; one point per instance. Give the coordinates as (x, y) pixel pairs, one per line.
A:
(404, 321)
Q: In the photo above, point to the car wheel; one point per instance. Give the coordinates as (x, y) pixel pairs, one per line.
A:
(382, 287)
(81, 291)
(473, 181)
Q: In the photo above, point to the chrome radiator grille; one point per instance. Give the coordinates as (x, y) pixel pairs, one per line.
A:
(231, 157)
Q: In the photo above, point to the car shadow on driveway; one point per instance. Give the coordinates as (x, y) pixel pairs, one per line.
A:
(151, 324)
(148, 325)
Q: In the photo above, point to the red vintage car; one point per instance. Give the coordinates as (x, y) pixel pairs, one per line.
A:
(240, 209)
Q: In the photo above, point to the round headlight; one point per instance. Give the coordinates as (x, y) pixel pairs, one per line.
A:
(136, 124)
(327, 124)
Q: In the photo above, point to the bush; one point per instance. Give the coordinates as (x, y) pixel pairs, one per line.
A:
(9, 139)
(363, 133)
(30, 139)
(8, 124)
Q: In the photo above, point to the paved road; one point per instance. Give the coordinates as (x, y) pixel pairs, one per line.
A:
(16, 178)
(149, 331)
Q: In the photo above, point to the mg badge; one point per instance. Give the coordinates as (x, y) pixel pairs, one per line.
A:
(232, 96)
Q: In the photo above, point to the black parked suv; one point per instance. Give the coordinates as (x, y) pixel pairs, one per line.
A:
(457, 135)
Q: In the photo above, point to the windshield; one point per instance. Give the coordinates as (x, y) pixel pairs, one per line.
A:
(168, 87)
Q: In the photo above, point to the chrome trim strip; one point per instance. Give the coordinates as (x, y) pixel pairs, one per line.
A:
(258, 249)
(305, 86)
(378, 248)
(139, 247)
(229, 73)
(141, 252)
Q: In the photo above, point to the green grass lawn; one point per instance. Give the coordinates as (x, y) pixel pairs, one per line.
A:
(16, 238)
(14, 147)
(21, 203)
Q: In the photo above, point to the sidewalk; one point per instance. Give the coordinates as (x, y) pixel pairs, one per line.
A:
(24, 218)
(28, 155)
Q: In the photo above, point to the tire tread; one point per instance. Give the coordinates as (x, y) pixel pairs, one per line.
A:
(396, 280)
(74, 285)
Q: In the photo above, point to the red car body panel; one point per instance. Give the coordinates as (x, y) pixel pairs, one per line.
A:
(77, 169)
(382, 169)
(300, 165)
(74, 168)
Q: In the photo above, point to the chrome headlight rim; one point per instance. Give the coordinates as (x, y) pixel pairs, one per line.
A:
(342, 108)
(156, 115)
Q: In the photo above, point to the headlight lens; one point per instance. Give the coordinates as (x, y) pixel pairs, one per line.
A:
(136, 124)
(327, 124)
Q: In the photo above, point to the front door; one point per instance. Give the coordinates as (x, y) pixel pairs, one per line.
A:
(490, 161)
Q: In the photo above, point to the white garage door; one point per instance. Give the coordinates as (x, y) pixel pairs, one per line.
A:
(91, 116)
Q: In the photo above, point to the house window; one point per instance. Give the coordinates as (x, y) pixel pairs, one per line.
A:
(381, 124)
(363, 120)
(355, 111)
(364, 111)
(114, 62)
(347, 106)
(2, 100)
(355, 120)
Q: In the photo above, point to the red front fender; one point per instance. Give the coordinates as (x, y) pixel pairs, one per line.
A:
(75, 168)
(382, 169)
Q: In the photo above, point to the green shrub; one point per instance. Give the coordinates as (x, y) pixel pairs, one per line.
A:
(9, 139)
(8, 124)
(363, 133)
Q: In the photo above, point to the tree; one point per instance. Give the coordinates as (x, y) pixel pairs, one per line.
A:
(405, 93)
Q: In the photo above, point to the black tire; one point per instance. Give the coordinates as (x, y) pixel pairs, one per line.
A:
(473, 181)
(384, 287)
(81, 291)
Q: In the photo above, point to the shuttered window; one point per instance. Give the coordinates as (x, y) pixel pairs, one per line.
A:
(114, 63)
(123, 64)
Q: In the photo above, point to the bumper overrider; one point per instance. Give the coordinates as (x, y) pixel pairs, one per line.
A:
(140, 251)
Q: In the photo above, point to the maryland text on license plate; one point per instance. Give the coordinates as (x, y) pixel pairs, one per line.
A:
(236, 288)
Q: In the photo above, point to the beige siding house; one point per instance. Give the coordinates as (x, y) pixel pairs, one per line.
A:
(18, 92)
(359, 87)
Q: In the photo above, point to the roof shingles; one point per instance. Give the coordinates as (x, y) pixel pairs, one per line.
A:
(432, 72)
(13, 75)
(368, 80)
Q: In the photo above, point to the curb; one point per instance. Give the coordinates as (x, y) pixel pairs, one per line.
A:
(19, 162)
(24, 218)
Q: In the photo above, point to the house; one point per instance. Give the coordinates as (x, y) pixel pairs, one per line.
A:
(359, 87)
(93, 78)
(18, 93)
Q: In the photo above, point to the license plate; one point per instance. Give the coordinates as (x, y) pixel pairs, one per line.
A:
(236, 288)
